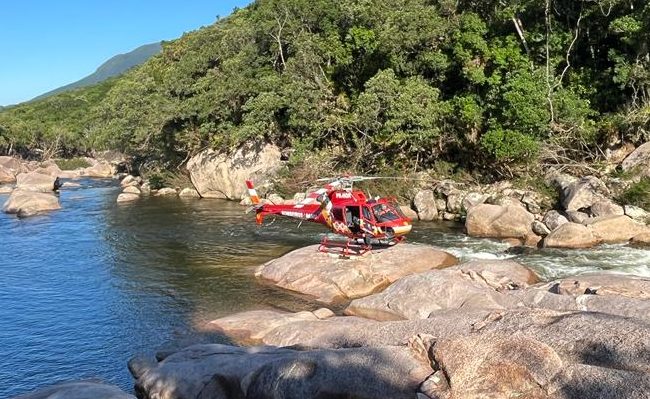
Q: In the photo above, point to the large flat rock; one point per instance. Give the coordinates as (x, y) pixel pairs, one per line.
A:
(330, 279)
(222, 371)
(475, 285)
(279, 328)
(460, 353)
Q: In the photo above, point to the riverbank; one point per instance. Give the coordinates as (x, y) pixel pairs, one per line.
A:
(195, 229)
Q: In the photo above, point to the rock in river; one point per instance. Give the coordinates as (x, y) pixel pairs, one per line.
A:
(165, 192)
(101, 169)
(474, 285)
(571, 235)
(28, 203)
(128, 197)
(615, 229)
(33, 181)
(331, 279)
(495, 221)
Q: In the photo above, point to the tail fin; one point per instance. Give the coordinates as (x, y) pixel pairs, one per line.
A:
(252, 193)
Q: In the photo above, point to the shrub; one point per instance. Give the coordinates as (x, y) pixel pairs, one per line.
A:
(72, 163)
(507, 145)
(637, 194)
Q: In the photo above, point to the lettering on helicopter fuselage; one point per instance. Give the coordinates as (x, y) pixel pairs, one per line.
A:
(344, 195)
(297, 214)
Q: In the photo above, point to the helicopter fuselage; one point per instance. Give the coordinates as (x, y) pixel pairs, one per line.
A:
(346, 212)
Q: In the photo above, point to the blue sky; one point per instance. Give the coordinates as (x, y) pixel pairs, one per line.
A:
(45, 44)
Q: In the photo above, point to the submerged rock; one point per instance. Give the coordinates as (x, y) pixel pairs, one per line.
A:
(127, 197)
(78, 390)
(131, 190)
(189, 192)
(219, 175)
(28, 203)
(165, 191)
(331, 279)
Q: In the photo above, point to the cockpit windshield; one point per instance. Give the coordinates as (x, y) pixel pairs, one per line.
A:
(384, 213)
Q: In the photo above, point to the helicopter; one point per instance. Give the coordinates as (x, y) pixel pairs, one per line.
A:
(347, 212)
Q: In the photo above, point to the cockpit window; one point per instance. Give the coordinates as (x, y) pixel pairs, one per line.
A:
(384, 213)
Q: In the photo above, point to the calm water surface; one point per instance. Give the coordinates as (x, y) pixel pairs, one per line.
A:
(85, 288)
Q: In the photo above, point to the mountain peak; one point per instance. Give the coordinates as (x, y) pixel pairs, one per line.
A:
(114, 66)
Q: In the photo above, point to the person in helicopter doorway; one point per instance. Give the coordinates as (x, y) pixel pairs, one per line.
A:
(352, 218)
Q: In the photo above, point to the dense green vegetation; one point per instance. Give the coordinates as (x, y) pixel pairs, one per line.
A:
(637, 193)
(493, 86)
(72, 163)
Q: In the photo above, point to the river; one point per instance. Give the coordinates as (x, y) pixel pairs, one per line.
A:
(85, 288)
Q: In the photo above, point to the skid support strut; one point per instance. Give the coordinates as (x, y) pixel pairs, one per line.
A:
(349, 247)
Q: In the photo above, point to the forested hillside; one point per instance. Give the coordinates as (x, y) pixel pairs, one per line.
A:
(486, 85)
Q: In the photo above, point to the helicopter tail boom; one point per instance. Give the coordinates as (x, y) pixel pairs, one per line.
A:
(255, 199)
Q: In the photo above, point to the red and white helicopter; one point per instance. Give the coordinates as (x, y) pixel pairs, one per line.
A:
(345, 211)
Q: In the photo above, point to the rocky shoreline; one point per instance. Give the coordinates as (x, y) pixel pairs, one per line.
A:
(32, 186)
(411, 321)
(436, 329)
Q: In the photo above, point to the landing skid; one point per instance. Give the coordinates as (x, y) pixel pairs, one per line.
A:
(347, 248)
(354, 246)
